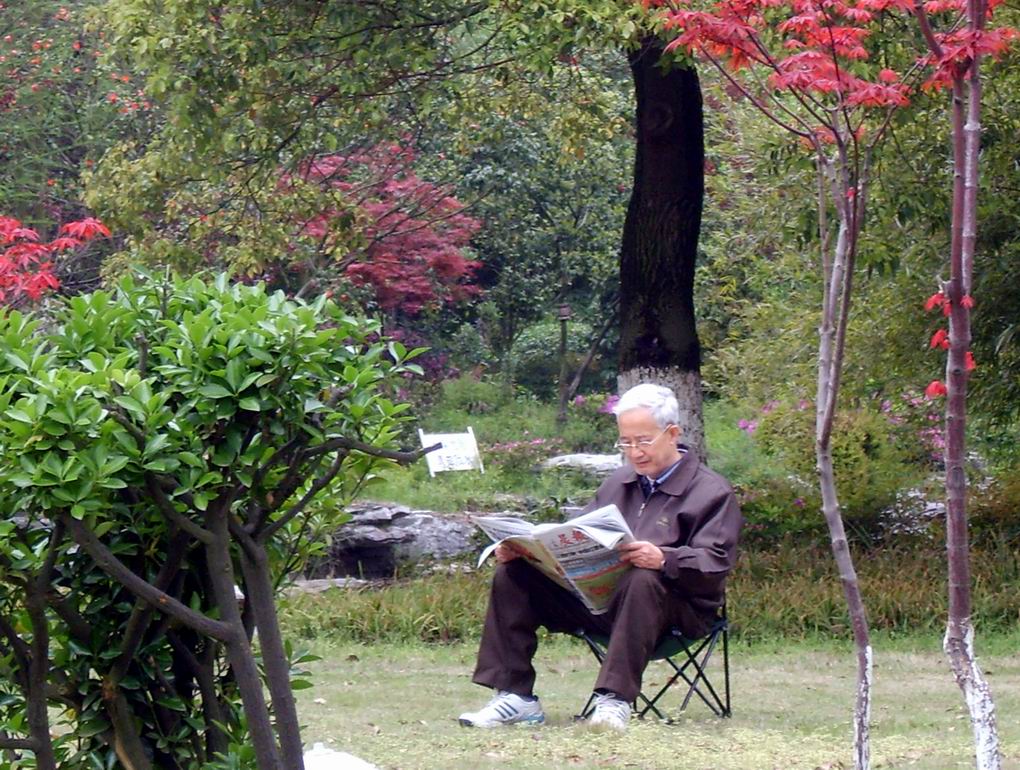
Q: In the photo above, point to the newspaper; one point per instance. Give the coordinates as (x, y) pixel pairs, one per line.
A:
(579, 554)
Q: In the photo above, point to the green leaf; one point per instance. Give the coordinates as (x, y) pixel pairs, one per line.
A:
(20, 416)
(17, 361)
(214, 391)
(155, 444)
(131, 405)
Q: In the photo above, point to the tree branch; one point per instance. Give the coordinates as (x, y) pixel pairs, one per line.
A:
(116, 569)
(165, 504)
(342, 442)
(317, 486)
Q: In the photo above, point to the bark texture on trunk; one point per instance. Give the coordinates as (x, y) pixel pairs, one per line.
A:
(959, 639)
(660, 234)
(687, 387)
(239, 651)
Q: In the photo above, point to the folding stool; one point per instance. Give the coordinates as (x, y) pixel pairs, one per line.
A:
(688, 658)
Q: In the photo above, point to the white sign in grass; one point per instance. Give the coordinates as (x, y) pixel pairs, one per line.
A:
(458, 452)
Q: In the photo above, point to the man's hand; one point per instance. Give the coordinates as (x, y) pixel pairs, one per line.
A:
(505, 553)
(641, 553)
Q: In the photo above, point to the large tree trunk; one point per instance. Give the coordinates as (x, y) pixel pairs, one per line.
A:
(658, 339)
(259, 586)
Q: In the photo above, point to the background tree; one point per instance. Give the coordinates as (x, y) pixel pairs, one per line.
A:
(658, 339)
(548, 185)
(820, 93)
(61, 107)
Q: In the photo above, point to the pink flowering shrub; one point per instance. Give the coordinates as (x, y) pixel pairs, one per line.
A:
(517, 458)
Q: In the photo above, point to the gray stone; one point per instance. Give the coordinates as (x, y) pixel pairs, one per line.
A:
(323, 584)
(599, 465)
(435, 536)
(380, 536)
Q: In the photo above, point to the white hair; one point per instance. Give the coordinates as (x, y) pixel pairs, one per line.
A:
(657, 399)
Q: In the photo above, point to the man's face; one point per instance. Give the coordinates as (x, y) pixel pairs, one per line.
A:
(638, 425)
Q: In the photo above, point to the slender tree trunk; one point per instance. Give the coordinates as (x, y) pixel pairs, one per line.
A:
(239, 652)
(259, 585)
(127, 743)
(959, 639)
(216, 740)
(38, 674)
(658, 337)
(838, 273)
(575, 383)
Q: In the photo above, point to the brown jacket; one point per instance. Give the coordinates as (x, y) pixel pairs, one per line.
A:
(693, 517)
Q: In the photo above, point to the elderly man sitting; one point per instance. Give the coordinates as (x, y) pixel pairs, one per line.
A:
(685, 521)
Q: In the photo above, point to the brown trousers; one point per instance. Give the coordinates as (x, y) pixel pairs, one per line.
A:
(522, 599)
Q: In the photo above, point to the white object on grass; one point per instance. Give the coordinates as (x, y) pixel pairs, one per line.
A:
(321, 758)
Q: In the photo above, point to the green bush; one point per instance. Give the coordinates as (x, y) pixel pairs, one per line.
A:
(868, 452)
(534, 359)
(590, 426)
(516, 460)
(773, 499)
(160, 445)
(994, 509)
(468, 395)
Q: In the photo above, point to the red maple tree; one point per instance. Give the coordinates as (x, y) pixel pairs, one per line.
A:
(413, 250)
(819, 69)
(26, 262)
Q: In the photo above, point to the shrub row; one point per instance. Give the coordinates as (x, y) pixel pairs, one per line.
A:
(786, 592)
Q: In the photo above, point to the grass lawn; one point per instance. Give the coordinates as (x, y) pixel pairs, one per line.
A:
(396, 706)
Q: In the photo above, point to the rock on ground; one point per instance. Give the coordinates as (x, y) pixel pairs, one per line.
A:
(380, 536)
(599, 465)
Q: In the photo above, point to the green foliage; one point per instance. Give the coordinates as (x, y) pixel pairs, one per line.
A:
(471, 396)
(535, 363)
(526, 492)
(994, 509)
(439, 609)
(792, 591)
(590, 427)
(869, 462)
(61, 108)
(138, 413)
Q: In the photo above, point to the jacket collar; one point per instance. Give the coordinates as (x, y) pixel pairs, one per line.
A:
(679, 479)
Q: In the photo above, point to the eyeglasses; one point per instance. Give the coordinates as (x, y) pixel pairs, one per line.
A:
(626, 446)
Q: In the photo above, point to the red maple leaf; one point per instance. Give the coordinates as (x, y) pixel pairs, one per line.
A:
(86, 229)
(940, 339)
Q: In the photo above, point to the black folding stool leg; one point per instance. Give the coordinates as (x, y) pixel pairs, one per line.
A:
(697, 656)
(698, 660)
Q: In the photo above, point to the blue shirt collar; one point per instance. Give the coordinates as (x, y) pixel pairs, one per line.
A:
(649, 485)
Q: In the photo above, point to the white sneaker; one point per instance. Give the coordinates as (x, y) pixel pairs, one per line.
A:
(610, 712)
(505, 708)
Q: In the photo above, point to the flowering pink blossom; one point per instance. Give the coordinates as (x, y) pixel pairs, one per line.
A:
(607, 407)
